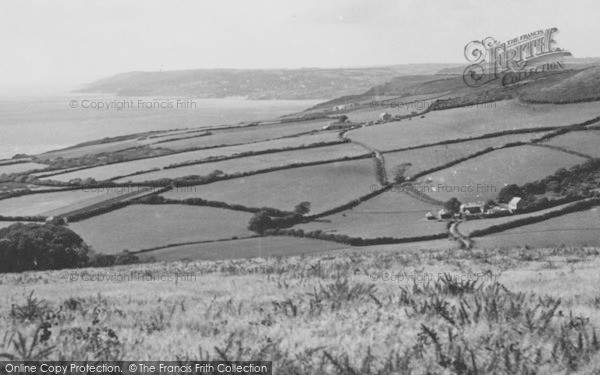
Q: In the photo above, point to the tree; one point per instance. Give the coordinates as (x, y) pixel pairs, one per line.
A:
(302, 208)
(25, 247)
(259, 222)
(509, 192)
(399, 172)
(452, 205)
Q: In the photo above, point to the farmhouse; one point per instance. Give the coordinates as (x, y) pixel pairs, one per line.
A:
(472, 208)
(515, 205)
(444, 214)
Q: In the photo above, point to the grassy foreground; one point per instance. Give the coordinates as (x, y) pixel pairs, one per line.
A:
(504, 311)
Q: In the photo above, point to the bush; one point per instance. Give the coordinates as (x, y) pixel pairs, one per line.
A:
(25, 247)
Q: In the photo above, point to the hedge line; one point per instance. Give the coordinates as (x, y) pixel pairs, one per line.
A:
(575, 207)
(352, 241)
(213, 159)
(157, 199)
(23, 218)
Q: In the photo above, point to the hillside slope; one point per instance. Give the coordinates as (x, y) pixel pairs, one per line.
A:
(309, 83)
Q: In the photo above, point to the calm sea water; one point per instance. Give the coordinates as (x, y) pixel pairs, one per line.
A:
(33, 123)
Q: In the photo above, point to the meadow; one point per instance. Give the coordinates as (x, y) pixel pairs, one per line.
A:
(468, 226)
(246, 248)
(575, 229)
(46, 204)
(20, 168)
(325, 186)
(422, 159)
(106, 172)
(262, 132)
(585, 142)
(390, 214)
(255, 163)
(481, 178)
(511, 311)
(150, 226)
(466, 122)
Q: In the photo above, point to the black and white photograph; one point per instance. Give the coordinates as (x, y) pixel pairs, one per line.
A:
(298, 187)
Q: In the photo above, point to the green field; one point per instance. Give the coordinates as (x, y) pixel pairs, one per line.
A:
(467, 227)
(483, 177)
(585, 142)
(78, 152)
(243, 249)
(138, 227)
(430, 157)
(246, 135)
(574, 229)
(20, 168)
(325, 186)
(255, 163)
(391, 214)
(466, 122)
(106, 172)
(48, 204)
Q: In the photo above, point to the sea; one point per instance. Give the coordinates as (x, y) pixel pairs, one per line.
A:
(36, 121)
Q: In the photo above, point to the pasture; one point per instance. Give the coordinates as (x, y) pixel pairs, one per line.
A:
(56, 203)
(469, 122)
(422, 159)
(20, 167)
(242, 135)
(574, 229)
(482, 178)
(390, 214)
(106, 172)
(585, 142)
(255, 163)
(467, 227)
(138, 227)
(325, 186)
(243, 249)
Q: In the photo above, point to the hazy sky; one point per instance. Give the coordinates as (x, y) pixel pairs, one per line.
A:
(73, 42)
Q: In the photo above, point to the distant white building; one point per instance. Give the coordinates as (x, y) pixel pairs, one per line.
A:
(472, 208)
(515, 205)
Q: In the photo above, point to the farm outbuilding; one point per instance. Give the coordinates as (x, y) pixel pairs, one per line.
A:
(515, 204)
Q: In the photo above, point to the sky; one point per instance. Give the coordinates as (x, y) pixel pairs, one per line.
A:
(72, 42)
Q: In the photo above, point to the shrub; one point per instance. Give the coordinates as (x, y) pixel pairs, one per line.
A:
(26, 247)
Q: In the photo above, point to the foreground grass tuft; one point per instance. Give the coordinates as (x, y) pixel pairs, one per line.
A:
(324, 314)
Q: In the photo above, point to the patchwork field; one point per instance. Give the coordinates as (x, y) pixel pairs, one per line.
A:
(585, 142)
(20, 167)
(243, 249)
(48, 204)
(246, 135)
(325, 186)
(78, 152)
(110, 171)
(150, 226)
(575, 229)
(255, 163)
(466, 122)
(481, 178)
(467, 227)
(390, 214)
(430, 157)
